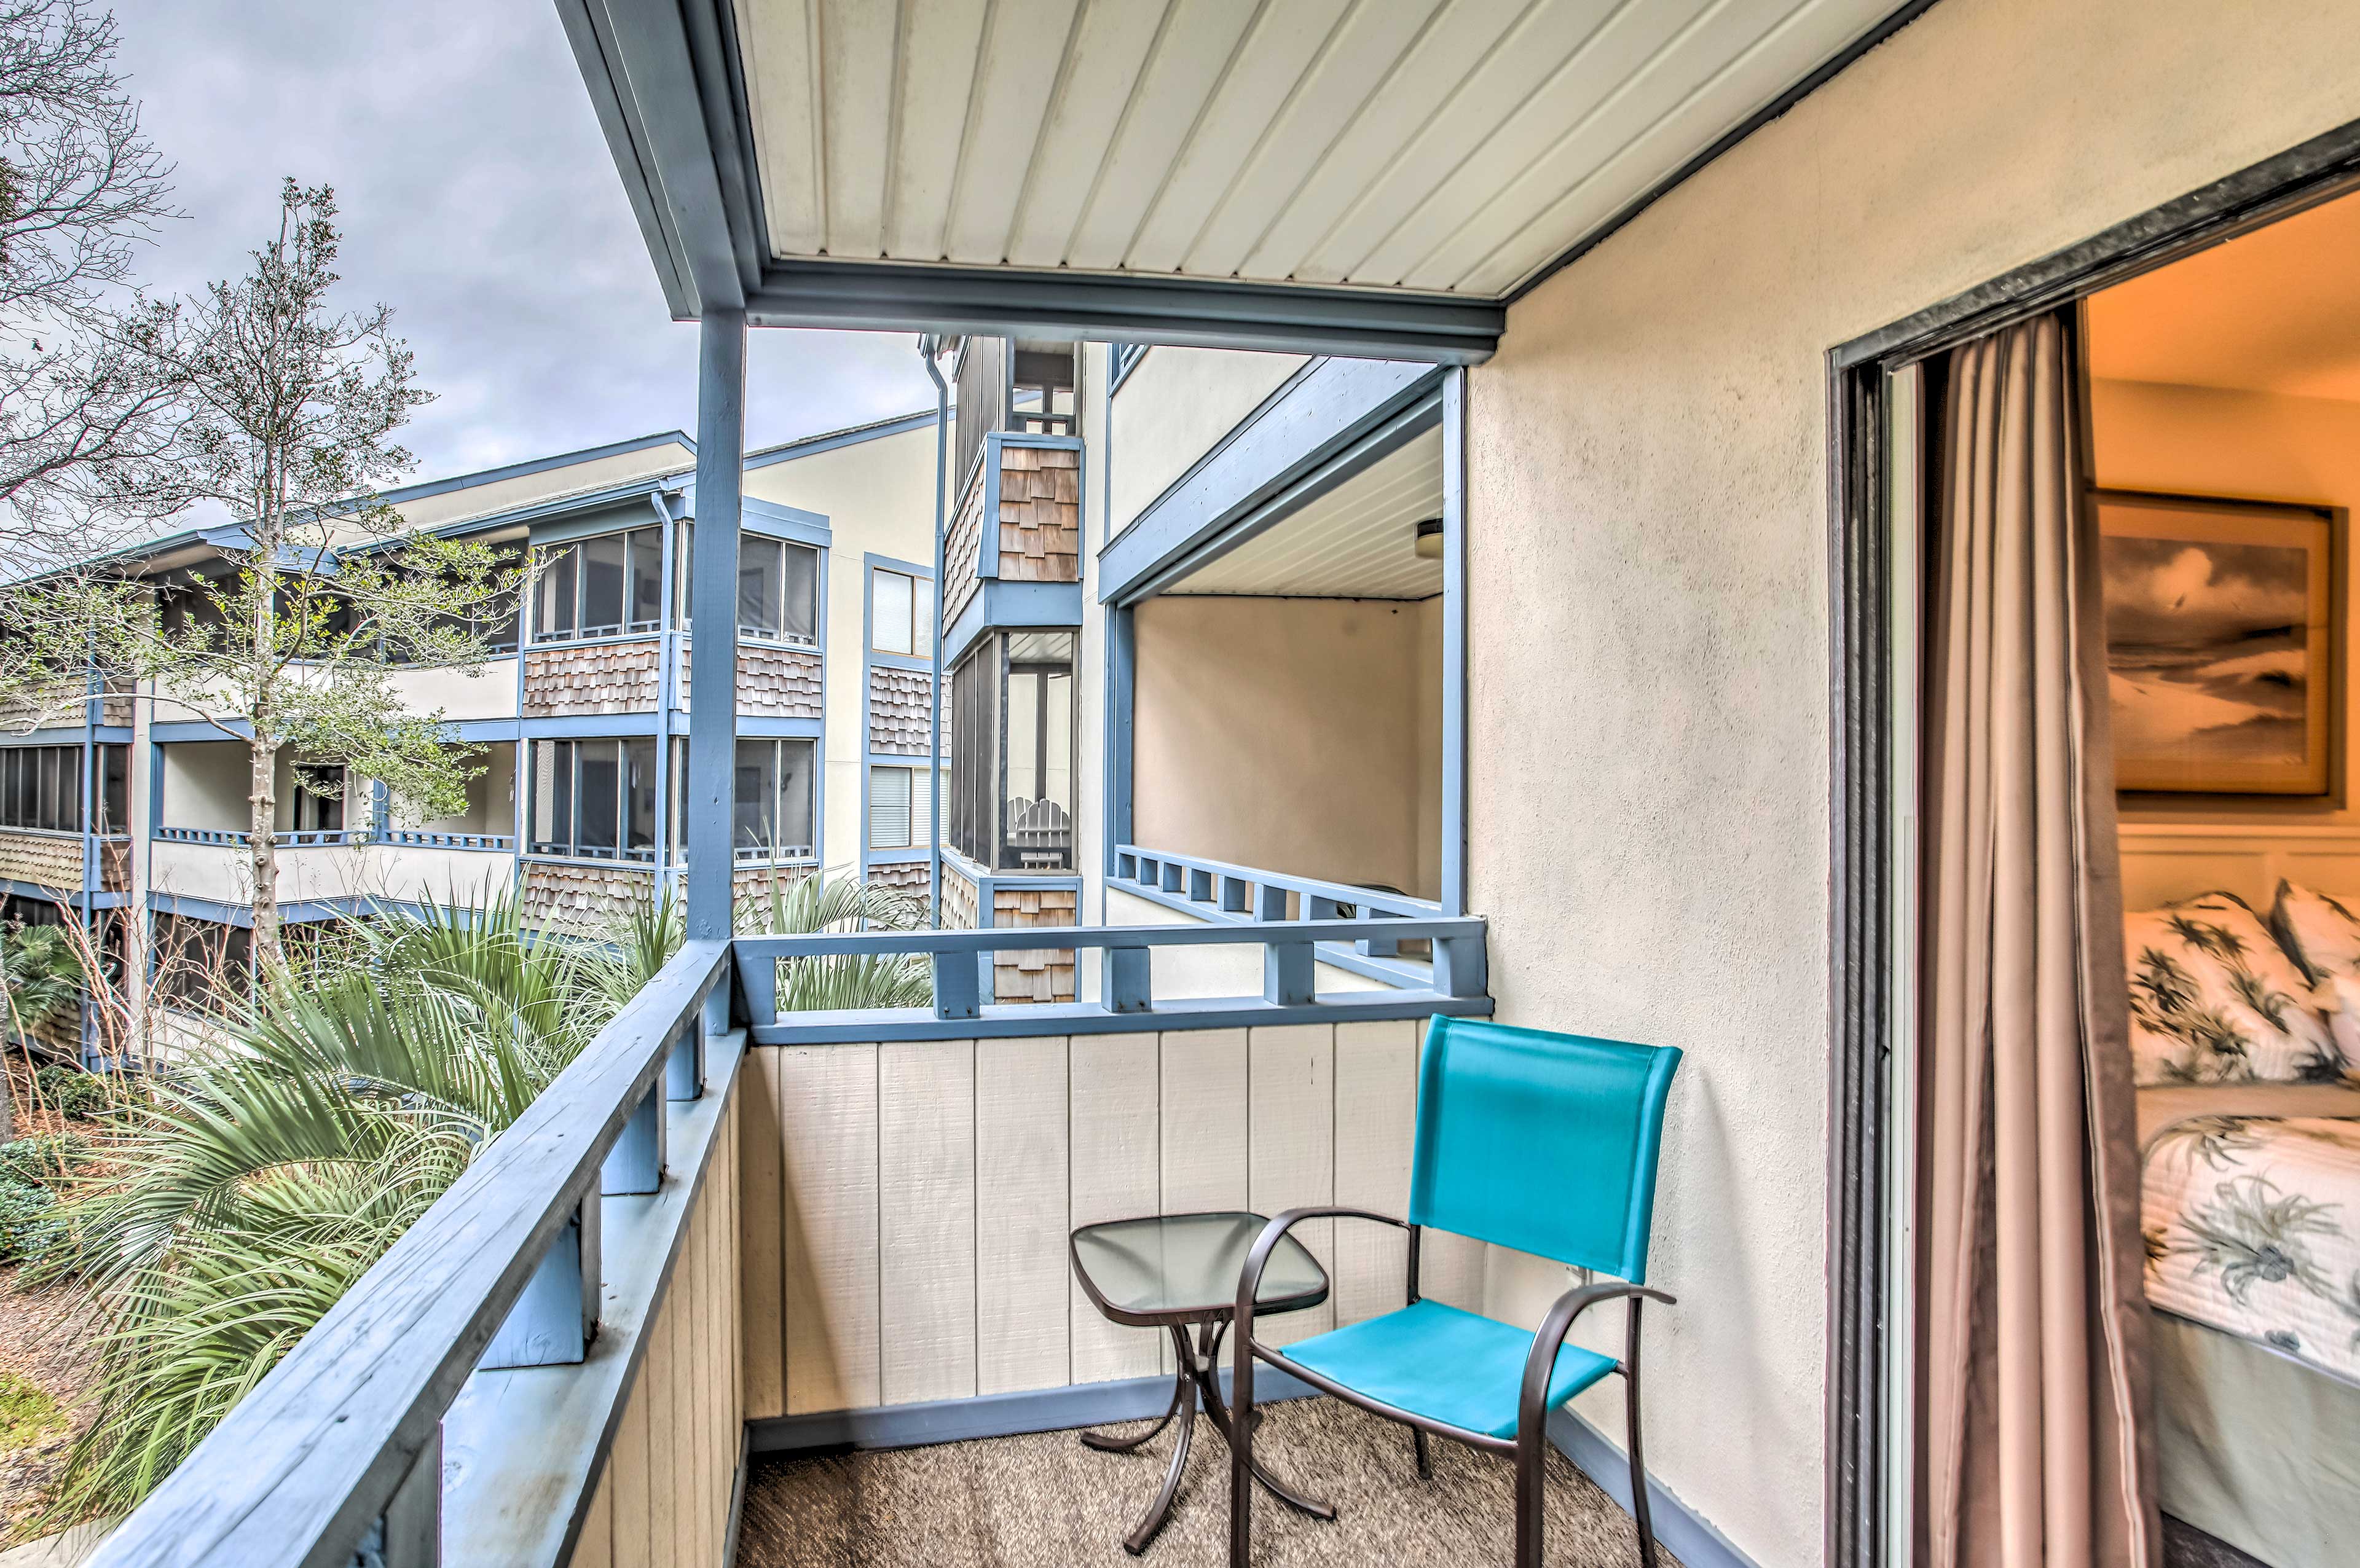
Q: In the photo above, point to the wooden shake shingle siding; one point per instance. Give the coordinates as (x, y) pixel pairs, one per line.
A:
(1040, 513)
(897, 710)
(591, 678)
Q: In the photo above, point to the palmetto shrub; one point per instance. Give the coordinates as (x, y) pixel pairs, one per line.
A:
(264, 1175)
(260, 1180)
(837, 902)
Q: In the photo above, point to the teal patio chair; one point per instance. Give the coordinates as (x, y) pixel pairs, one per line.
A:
(1543, 1142)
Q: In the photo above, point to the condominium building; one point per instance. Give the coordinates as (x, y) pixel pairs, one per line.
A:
(133, 801)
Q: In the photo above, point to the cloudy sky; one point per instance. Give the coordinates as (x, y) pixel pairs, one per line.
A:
(479, 201)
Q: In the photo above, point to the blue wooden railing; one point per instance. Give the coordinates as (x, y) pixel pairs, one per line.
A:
(554, 1249)
(1217, 890)
(418, 839)
(237, 838)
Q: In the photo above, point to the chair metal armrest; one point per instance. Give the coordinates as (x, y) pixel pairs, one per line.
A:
(1533, 1404)
(1250, 1283)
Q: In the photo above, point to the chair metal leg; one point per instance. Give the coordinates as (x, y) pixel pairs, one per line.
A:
(1425, 1453)
(1639, 1511)
(1532, 1448)
(1209, 1390)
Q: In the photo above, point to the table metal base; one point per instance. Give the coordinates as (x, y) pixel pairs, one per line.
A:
(1195, 1382)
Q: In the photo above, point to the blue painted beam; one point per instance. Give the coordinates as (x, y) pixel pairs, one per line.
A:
(713, 609)
(997, 606)
(1004, 302)
(1331, 419)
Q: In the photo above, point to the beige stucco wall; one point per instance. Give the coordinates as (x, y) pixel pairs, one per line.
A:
(1175, 404)
(1286, 734)
(485, 690)
(1649, 663)
(206, 784)
(879, 498)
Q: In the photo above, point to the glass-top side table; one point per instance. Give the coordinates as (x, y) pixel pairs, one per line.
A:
(1175, 1271)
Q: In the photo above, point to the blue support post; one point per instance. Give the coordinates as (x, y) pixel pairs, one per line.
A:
(1124, 981)
(713, 613)
(636, 1163)
(957, 986)
(1286, 973)
(926, 346)
(684, 1067)
(1454, 642)
(553, 1321)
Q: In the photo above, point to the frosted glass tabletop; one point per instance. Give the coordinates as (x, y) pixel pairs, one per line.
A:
(1184, 1267)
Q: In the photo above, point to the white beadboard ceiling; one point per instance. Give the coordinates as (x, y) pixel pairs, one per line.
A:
(1454, 147)
(1355, 543)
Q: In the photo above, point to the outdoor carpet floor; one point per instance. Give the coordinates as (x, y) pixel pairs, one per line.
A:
(1043, 1498)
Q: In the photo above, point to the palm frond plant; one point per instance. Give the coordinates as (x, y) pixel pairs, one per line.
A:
(266, 1173)
(40, 974)
(838, 901)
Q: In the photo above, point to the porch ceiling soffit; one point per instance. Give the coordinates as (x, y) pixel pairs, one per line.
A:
(1302, 175)
(1328, 422)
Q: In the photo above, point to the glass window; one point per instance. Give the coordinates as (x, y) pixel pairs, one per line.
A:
(554, 619)
(602, 585)
(200, 962)
(901, 613)
(778, 590)
(773, 801)
(115, 793)
(595, 799)
(1011, 775)
(314, 809)
(605, 586)
(41, 788)
(891, 819)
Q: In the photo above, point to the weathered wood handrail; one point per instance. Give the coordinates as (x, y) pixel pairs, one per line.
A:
(305, 1465)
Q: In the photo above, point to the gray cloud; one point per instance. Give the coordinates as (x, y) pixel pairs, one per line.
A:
(479, 201)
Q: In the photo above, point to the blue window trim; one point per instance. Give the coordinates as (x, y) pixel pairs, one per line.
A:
(872, 659)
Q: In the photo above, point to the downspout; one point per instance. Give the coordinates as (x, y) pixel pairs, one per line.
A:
(926, 348)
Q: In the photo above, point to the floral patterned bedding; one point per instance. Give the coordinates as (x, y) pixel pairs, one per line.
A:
(2253, 1224)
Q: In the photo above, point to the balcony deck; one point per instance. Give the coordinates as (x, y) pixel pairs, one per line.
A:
(1045, 1501)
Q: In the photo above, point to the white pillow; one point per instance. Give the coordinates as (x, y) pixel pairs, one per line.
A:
(2320, 933)
(2215, 1000)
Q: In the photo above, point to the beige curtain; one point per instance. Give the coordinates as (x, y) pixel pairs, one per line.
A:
(2032, 1318)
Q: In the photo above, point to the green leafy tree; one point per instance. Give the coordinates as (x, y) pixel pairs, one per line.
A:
(291, 410)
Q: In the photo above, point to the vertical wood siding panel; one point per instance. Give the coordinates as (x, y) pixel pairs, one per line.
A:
(595, 1548)
(688, 1460)
(1449, 1266)
(709, 1384)
(734, 1293)
(627, 1467)
(757, 1230)
(656, 1379)
(1291, 1146)
(1376, 1124)
(1022, 1290)
(1114, 1176)
(1205, 1129)
(718, 1238)
(925, 1151)
(827, 1105)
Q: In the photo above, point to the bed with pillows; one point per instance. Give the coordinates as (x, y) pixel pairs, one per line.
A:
(2245, 1034)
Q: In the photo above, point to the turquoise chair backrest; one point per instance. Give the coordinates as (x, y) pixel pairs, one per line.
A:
(1543, 1142)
